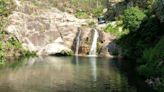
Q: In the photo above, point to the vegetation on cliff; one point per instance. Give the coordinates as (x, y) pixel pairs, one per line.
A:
(133, 18)
(144, 41)
(9, 44)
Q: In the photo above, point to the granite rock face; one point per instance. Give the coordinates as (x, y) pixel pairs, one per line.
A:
(51, 31)
(40, 29)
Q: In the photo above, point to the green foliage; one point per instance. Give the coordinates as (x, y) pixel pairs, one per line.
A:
(9, 45)
(12, 42)
(3, 7)
(152, 58)
(91, 7)
(64, 53)
(88, 4)
(98, 11)
(81, 14)
(152, 63)
(149, 4)
(6, 6)
(146, 45)
(27, 53)
(132, 18)
(95, 12)
(12, 47)
(159, 9)
(114, 29)
(99, 47)
(3, 24)
(2, 58)
(145, 40)
(144, 37)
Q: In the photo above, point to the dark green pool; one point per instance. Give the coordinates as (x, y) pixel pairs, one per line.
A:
(70, 74)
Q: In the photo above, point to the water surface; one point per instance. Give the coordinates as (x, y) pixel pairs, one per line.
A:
(70, 74)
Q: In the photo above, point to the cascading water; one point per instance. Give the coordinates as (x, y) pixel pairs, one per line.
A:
(93, 48)
(78, 42)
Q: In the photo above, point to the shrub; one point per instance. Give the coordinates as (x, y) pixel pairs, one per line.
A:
(152, 64)
(147, 36)
(97, 11)
(81, 14)
(133, 18)
(3, 24)
(114, 29)
(6, 6)
(152, 58)
(158, 7)
(149, 4)
(2, 54)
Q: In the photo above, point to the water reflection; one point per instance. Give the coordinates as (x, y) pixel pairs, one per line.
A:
(93, 67)
(65, 74)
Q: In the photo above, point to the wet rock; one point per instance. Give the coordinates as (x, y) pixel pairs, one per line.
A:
(84, 50)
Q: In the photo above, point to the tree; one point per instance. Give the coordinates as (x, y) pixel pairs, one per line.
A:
(133, 18)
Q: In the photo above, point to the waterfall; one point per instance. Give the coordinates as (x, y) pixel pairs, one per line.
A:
(93, 48)
(78, 42)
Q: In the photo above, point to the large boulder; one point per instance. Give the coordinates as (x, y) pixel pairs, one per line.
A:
(57, 47)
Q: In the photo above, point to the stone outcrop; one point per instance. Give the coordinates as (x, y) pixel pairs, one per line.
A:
(109, 47)
(51, 31)
(105, 45)
(40, 29)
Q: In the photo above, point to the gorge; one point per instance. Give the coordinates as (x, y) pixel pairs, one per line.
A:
(59, 46)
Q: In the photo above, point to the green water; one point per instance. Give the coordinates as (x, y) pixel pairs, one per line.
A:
(70, 74)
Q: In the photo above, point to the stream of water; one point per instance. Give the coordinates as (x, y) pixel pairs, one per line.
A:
(93, 48)
(70, 74)
(78, 42)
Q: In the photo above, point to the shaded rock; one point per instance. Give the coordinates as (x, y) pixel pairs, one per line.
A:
(109, 47)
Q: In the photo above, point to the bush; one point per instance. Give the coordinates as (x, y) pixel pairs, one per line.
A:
(114, 29)
(152, 58)
(133, 18)
(111, 29)
(97, 11)
(144, 37)
(6, 6)
(2, 58)
(158, 7)
(81, 14)
(152, 64)
(3, 24)
(149, 4)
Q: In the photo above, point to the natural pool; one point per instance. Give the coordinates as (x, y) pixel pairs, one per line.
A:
(70, 74)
